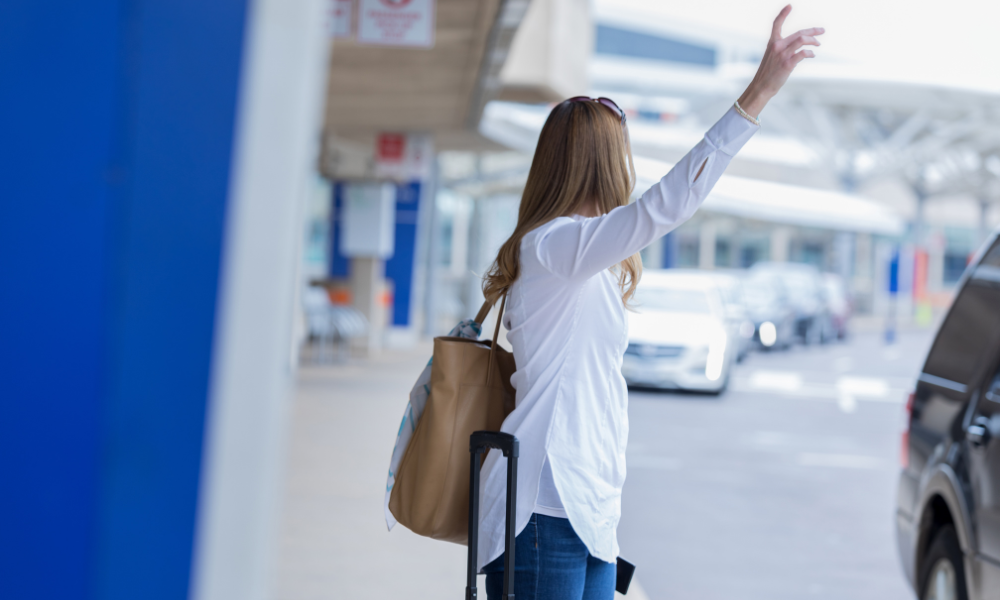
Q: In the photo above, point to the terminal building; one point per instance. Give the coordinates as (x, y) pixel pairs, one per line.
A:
(182, 179)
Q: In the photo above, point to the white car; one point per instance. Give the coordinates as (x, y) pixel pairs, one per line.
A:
(679, 336)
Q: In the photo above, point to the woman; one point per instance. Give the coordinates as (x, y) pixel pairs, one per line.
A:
(568, 271)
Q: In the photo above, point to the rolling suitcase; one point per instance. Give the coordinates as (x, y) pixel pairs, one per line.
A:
(479, 442)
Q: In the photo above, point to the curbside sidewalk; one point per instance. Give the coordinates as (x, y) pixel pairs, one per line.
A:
(333, 540)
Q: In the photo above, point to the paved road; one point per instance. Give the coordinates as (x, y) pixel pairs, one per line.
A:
(784, 487)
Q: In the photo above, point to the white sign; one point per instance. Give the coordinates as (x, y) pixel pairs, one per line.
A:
(368, 220)
(396, 22)
(404, 157)
(340, 18)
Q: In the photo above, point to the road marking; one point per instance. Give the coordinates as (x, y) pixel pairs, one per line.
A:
(776, 381)
(870, 387)
(849, 389)
(842, 461)
(846, 391)
(659, 463)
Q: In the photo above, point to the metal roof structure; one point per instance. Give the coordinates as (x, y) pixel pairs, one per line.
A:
(518, 126)
(864, 124)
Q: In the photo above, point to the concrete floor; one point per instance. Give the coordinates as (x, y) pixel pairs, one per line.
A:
(784, 487)
(781, 488)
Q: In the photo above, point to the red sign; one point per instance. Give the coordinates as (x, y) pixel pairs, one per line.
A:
(391, 147)
(396, 22)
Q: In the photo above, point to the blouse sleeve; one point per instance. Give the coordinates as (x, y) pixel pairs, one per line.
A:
(579, 249)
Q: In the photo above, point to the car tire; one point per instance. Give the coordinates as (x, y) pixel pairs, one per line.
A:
(942, 572)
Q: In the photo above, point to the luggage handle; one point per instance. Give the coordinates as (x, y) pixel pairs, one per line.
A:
(508, 444)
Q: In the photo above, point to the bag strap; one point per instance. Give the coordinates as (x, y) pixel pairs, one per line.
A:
(483, 311)
(496, 334)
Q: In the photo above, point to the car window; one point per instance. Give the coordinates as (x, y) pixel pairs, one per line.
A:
(761, 292)
(969, 335)
(990, 403)
(671, 300)
(992, 258)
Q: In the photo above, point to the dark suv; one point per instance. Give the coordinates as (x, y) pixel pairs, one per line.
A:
(948, 513)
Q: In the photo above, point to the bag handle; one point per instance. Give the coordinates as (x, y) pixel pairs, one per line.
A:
(485, 310)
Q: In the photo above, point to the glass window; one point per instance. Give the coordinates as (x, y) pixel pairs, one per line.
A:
(990, 404)
(668, 300)
(992, 257)
(954, 266)
(969, 335)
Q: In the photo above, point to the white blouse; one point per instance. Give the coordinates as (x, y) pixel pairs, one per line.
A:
(568, 329)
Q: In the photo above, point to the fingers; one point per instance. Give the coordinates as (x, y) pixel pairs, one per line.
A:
(802, 55)
(812, 31)
(779, 21)
(796, 41)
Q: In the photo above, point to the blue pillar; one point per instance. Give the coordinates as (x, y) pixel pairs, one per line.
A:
(669, 242)
(118, 121)
(400, 267)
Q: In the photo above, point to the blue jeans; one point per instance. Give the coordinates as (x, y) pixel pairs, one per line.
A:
(552, 563)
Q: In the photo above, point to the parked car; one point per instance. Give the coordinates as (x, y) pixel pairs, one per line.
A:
(679, 337)
(838, 304)
(948, 499)
(730, 286)
(770, 311)
(731, 290)
(805, 293)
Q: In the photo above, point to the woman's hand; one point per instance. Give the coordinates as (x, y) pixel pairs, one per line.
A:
(780, 58)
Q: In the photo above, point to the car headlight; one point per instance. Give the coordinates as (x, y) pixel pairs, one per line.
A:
(768, 333)
(716, 356)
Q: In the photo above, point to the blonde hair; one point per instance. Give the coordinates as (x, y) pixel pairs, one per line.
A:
(583, 155)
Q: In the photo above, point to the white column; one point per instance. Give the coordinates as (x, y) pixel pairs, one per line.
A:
(280, 105)
(367, 287)
(843, 248)
(935, 263)
(984, 226)
(653, 255)
(864, 275)
(706, 245)
(780, 238)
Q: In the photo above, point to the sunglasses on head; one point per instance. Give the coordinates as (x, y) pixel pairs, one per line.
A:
(608, 102)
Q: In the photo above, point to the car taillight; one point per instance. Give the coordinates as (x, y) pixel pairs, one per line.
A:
(904, 451)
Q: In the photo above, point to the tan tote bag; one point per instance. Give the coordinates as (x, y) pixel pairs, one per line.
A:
(470, 391)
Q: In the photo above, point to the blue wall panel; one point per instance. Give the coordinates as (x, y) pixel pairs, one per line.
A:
(57, 116)
(118, 143)
(399, 268)
(340, 265)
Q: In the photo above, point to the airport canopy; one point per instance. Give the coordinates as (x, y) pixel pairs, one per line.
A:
(517, 126)
(781, 203)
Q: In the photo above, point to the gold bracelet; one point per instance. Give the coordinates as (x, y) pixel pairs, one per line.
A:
(746, 116)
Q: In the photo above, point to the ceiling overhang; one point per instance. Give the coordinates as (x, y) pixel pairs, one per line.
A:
(439, 90)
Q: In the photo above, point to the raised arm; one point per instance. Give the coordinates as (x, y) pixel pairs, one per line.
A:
(580, 248)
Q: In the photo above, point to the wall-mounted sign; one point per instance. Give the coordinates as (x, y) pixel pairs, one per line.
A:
(368, 220)
(390, 147)
(396, 22)
(403, 157)
(341, 13)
